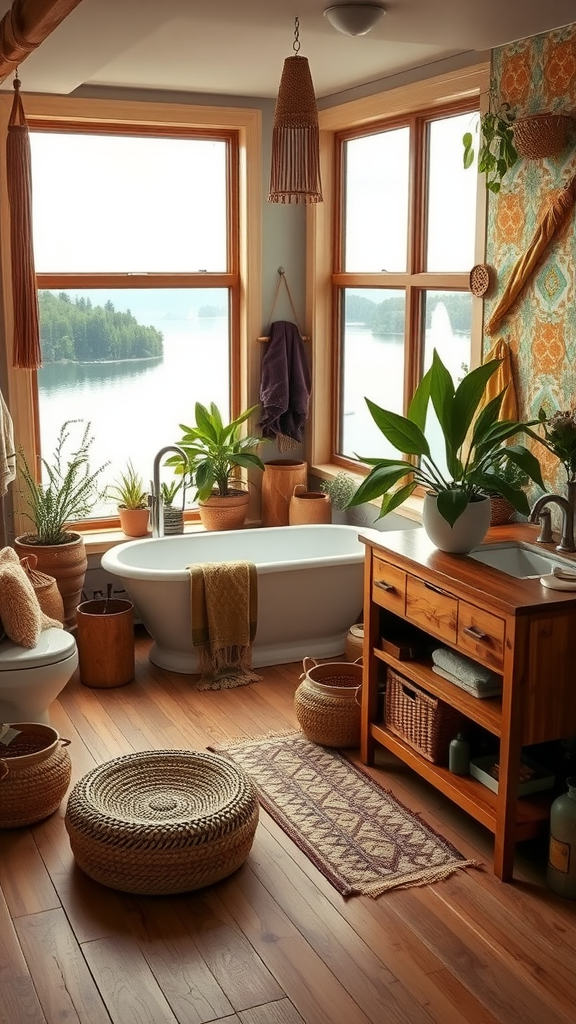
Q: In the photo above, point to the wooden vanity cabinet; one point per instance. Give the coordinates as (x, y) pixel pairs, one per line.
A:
(515, 627)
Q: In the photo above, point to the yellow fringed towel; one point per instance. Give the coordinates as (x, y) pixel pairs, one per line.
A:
(501, 380)
(224, 604)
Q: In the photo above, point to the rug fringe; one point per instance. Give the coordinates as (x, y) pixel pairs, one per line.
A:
(425, 877)
(253, 741)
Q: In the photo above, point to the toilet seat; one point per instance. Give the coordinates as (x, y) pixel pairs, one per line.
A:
(53, 646)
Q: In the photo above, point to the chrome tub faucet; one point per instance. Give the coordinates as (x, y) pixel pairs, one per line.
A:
(155, 497)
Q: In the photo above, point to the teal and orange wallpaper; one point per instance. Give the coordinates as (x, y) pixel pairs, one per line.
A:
(536, 75)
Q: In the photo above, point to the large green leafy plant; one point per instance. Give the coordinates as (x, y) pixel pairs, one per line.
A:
(68, 490)
(475, 443)
(216, 451)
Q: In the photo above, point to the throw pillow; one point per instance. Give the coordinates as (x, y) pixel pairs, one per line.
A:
(20, 612)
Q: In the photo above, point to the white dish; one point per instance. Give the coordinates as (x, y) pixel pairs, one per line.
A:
(556, 583)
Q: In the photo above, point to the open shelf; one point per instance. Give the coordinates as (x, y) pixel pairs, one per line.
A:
(465, 791)
(486, 711)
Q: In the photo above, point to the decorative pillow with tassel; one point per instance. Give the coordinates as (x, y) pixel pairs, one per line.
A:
(20, 611)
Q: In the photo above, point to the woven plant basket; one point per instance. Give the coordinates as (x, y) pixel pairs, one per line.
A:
(35, 771)
(424, 722)
(45, 588)
(541, 135)
(501, 511)
(162, 821)
(228, 513)
(327, 703)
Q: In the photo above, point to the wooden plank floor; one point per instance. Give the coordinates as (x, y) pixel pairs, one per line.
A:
(274, 943)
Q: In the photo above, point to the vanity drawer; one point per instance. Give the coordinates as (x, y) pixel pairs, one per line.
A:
(481, 634)
(388, 585)
(433, 609)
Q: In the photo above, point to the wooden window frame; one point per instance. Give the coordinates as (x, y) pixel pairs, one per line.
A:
(416, 105)
(242, 127)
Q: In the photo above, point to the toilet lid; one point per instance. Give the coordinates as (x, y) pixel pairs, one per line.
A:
(54, 645)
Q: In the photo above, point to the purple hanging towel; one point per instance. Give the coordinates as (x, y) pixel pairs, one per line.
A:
(285, 385)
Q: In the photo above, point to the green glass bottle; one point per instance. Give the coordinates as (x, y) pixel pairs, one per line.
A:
(561, 872)
(459, 755)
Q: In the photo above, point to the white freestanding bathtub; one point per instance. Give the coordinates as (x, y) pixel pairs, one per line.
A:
(309, 588)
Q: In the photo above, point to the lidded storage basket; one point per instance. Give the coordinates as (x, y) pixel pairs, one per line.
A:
(35, 770)
(424, 722)
(327, 703)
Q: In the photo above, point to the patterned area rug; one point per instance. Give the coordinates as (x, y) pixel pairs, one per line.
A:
(359, 835)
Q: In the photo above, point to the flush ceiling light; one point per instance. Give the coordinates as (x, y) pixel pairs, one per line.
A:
(354, 19)
(295, 171)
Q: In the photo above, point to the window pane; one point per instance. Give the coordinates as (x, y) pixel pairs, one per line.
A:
(451, 195)
(118, 204)
(372, 367)
(133, 363)
(376, 202)
(448, 320)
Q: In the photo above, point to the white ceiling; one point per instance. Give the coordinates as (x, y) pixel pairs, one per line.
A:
(236, 47)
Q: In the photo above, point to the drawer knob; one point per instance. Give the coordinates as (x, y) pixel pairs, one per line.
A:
(383, 585)
(474, 632)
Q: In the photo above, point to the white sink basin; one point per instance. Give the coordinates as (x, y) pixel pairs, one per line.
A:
(519, 559)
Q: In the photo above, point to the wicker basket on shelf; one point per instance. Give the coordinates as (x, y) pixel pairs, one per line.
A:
(327, 703)
(424, 722)
(541, 135)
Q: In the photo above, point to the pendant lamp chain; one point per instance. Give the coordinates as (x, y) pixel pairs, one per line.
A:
(295, 170)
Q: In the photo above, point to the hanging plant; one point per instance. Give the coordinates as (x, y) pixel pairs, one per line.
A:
(496, 150)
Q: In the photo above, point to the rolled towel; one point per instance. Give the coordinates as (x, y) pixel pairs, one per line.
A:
(489, 691)
(465, 669)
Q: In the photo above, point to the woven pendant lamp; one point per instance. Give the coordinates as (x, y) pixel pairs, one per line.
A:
(295, 171)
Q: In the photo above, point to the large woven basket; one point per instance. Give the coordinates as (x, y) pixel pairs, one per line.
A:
(162, 821)
(424, 722)
(35, 772)
(327, 703)
(541, 135)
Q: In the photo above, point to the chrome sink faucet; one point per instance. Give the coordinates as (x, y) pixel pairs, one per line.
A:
(538, 511)
(155, 496)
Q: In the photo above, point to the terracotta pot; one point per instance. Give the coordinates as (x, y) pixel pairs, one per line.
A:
(279, 479)
(467, 532)
(134, 522)
(227, 513)
(67, 563)
(309, 507)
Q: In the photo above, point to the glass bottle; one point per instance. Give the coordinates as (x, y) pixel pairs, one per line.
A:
(459, 755)
(561, 872)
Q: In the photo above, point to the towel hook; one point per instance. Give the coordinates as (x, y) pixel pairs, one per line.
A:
(282, 277)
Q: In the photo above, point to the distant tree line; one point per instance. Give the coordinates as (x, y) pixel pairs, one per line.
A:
(76, 331)
(387, 317)
(211, 311)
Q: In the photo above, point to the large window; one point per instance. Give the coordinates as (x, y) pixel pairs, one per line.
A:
(145, 221)
(401, 213)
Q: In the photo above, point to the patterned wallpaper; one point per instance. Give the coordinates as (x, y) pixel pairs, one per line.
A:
(536, 75)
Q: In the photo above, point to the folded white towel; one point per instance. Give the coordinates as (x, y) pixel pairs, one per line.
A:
(7, 453)
(465, 669)
(489, 691)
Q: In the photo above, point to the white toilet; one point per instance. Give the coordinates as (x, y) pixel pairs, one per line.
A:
(31, 679)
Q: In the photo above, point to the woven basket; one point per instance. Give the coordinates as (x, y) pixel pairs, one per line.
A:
(501, 511)
(35, 772)
(424, 722)
(327, 703)
(162, 821)
(541, 135)
(45, 588)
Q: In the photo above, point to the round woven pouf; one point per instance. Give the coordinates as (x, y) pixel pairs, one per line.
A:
(162, 821)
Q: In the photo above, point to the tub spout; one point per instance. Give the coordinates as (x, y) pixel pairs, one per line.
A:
(155, 496)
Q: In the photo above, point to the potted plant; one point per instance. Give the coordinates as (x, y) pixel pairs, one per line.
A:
(132, 498)
(475, 448)
(496, 151)
(502, 509)
(217, 454)
(340, 489)
(68, 492)
(173, 516)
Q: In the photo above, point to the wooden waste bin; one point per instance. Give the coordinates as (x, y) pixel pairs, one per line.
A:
(105, 639)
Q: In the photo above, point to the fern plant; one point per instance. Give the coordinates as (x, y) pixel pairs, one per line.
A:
(67, 490)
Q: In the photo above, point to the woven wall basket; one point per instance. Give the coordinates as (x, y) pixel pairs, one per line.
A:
(327, 703)
(542, 135)
(35, 772)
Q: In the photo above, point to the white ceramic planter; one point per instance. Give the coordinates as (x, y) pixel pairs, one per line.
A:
(467, 532)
